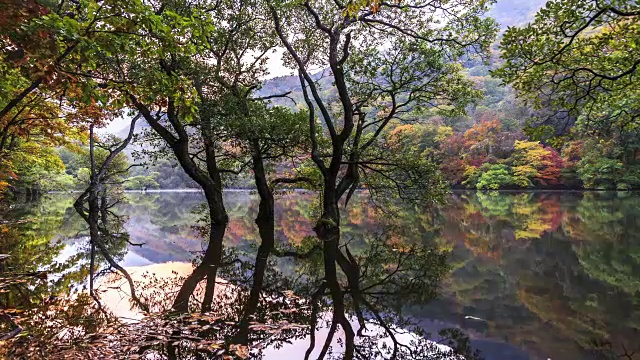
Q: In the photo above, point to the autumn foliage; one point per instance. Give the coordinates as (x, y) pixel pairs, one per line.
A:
(486, 156)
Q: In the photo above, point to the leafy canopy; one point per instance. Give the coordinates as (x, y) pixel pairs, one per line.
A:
(580, 59)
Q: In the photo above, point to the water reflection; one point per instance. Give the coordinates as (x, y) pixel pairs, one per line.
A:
(534, 276)
(521, 266)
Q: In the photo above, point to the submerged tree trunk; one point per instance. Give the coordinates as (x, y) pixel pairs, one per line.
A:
(212, 258)
(208, 267)
(210, 181)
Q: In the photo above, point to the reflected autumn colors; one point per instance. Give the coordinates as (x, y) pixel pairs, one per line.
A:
(513, 275)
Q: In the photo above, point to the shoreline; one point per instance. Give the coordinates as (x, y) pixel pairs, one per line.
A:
(453, 190)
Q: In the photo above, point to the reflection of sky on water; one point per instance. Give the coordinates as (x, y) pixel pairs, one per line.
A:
(133, 259)
(69, 250)
(297, 348)
(116, 292)
(115, 297)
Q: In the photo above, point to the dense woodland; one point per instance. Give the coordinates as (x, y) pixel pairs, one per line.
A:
(397, 101)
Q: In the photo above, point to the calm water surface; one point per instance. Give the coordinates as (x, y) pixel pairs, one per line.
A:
(532, 275)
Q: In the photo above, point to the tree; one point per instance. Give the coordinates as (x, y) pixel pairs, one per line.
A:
(601, 166)
(151, 70)
(422, 138)
(266, 136)
(581, 59)
(94, 205)
(142, 182)
(188, 90)
(487, 141)
(494, 177)
(551, 173)
(36, 166)
(450, 158)
(533, 162)
(50, 53)
(481, 140)
(417, 68)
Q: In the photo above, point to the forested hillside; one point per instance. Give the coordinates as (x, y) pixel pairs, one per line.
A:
(493, 146)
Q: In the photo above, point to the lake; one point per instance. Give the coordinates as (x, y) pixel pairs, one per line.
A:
(537, 275)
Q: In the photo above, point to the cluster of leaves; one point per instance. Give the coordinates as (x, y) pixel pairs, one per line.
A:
(530, 164)
(42, 103)
(604, 164)
(580, 59)
(577, 64)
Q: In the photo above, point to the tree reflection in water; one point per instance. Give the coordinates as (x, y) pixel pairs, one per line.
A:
(257, 309)
(270, 297)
